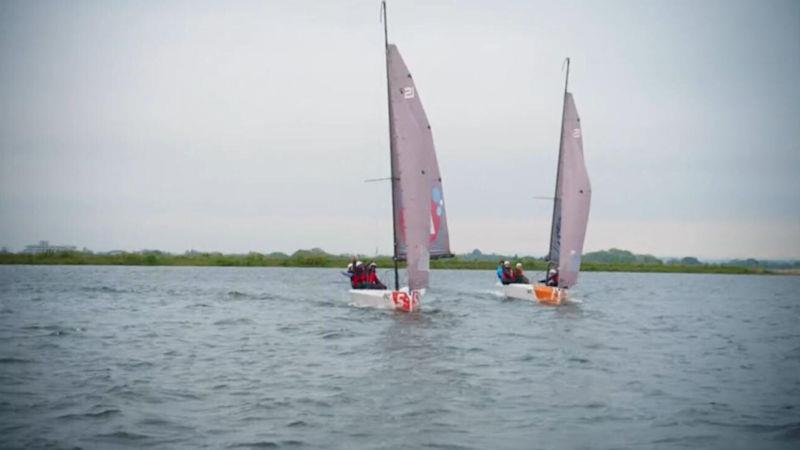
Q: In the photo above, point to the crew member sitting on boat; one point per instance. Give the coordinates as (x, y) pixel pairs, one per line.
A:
(552, 278)
(359, 276)
(499, 270)
(519, 276)
(508, 274)
(372, 278)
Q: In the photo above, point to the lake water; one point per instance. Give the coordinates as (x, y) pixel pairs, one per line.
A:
(115, 357)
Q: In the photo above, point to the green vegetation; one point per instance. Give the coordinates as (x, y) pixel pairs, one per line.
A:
(613, 260)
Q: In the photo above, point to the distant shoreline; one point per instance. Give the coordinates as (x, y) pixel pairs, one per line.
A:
(333, 261)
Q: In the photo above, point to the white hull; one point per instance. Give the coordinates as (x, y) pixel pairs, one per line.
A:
(400, 300)
(536, 292)
(519, 291)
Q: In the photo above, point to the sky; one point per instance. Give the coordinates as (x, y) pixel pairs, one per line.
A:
(251, 125)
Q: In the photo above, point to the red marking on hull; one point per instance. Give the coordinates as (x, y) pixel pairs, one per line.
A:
(404, 302)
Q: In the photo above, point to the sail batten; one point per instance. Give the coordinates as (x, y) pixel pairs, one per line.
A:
(418, 202)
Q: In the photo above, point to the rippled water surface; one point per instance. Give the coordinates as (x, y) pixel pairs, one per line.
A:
(111, 357)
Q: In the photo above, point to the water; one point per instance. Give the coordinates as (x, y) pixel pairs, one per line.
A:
(115, 357)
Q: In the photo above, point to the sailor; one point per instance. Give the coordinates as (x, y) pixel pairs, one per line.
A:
(351, 267)
(519, 276)
(507, 275)
(499, 270)
(552, 277)
(359, 276)
(372, 277)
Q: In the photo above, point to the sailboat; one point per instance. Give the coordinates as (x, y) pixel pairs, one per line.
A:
(571, 203)
(418, 211)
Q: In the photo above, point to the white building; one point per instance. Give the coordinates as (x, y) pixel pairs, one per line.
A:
(45, 247)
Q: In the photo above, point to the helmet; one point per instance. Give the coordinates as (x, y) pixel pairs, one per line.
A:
(349, 266)
(359, 263)
(506, 264)
(519, 265)
(552, 271)
(372, 264)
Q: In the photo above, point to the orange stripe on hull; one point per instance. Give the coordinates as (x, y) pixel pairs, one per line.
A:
(549, 294)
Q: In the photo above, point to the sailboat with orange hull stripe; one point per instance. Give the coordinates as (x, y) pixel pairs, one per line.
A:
(571, 204)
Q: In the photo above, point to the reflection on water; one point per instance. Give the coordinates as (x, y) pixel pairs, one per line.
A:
(100, 357)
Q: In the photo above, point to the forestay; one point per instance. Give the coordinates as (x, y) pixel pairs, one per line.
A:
(420, 219)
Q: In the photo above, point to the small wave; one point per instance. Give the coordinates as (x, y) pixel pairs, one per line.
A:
(198, 305)
(237, 294)
(41, 327)
(104, 289)
(136, 364)
(261, 444)
(687, 440)
(124, 436)
(297, 423)
(239, 321)
(95, 415)
(337, 334)
(12, 360)
(578, 360)
(786, 431)
(446, 446)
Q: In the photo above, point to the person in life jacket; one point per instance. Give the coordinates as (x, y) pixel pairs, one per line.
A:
(552, 277)
(499, 270)
(372, 277)
(351, 266)
(359, 276)
(507, 277)
(519, 276)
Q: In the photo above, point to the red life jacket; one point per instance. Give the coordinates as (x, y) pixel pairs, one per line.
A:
(508, 275)
(360, 276)
(372, 277)
(353, 280)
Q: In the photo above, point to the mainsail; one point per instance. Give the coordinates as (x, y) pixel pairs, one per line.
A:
(419, 212)
(572, 200)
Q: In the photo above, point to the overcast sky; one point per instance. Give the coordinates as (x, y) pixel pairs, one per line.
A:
(238, 126)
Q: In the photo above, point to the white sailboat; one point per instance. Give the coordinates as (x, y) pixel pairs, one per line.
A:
(570, 213)
(418, 212)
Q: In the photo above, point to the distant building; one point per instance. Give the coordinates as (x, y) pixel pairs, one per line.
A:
(45, 247)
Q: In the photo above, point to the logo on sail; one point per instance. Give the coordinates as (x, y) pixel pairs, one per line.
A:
(408, 92)
(437, 210)
(576, 133)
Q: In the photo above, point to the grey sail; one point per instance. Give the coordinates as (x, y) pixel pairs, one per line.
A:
(573, 198)
(419, 211)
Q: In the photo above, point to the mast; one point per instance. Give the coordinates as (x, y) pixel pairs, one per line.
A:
(557, 199)
(391, 145)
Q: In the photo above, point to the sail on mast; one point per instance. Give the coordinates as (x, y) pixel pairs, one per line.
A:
(576, 196)
(418, 202)
(572, 198)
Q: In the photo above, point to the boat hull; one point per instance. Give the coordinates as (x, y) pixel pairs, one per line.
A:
(401, 300)
(541, 293)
